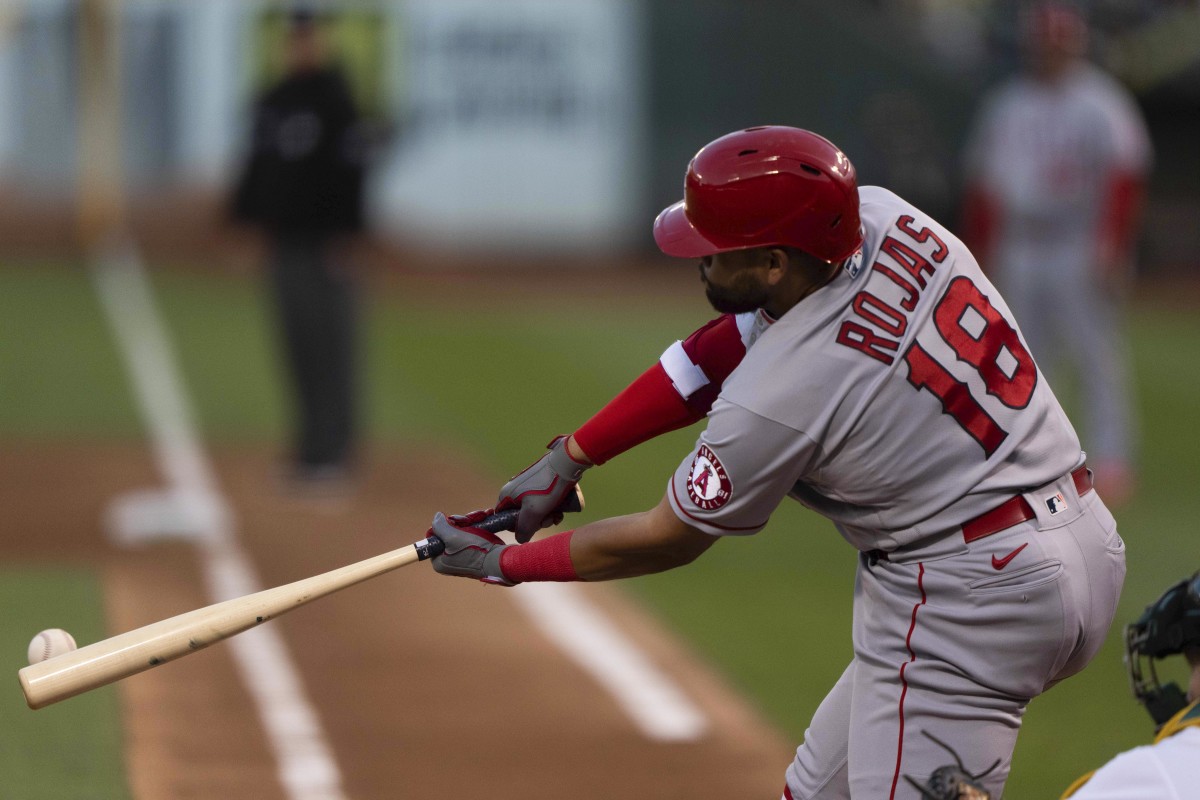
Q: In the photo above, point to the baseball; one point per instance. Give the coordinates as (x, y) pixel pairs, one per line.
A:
(50, 643)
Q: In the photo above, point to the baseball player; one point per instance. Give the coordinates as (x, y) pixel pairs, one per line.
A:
(1169, 769)
(866, 368)
(1055, 171)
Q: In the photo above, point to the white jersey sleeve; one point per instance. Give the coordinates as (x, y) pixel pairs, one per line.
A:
(1169, 770)
(743, 466)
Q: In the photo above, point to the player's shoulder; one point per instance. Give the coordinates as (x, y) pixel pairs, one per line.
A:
(1135, 769)
(1092, 77)
(1187, 719)
(882, 209)
(1100, 90)
(880, 206)
(1150, 770)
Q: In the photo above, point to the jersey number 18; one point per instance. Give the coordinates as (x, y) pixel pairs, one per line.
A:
(980, 336)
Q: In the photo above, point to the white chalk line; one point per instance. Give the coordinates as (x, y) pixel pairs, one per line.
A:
(305, 762)
(658, 707)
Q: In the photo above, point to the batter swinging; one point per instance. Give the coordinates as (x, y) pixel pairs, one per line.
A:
(866, 368)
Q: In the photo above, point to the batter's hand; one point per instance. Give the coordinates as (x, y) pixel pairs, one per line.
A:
(542, 489)
(470, 552)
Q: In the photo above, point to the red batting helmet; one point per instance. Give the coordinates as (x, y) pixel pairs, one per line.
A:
(770, 185)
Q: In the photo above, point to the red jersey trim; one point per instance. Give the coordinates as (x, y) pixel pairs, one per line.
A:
(912, 656)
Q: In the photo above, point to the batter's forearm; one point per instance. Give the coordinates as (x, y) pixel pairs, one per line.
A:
(576, 452)
(618, 547)
(624, 547)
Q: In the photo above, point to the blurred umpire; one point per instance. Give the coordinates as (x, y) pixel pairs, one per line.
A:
(302, 184)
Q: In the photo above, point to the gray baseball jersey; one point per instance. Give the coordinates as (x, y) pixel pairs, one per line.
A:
(1046, 151)
(901, 402)
(898, 400)
(1045, 154)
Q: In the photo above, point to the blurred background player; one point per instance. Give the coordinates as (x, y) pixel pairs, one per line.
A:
(1055, 169)
(1169, 769)
(302, 184)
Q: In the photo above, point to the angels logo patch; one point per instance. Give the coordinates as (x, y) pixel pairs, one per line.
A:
(709, 485)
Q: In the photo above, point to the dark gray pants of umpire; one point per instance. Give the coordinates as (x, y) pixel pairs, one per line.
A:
(317, 304)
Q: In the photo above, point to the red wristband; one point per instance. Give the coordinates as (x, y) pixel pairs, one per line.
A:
(544, 560)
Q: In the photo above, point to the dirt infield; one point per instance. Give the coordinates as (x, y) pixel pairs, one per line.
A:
(426, 687)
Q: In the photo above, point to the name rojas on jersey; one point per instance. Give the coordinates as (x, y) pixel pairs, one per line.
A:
(912, 326)
(977, 357)
(879, 325)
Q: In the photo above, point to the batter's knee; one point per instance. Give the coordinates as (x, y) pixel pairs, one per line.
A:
(816, 775)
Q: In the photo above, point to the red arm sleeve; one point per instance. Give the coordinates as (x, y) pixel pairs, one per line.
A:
(652, 405)
(1122, 210)
(980, 223)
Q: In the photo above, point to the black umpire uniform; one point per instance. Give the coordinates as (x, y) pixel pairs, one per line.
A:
(303, 185)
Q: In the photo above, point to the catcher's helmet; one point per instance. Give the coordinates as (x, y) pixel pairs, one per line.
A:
(764, 186)
(1168, 626)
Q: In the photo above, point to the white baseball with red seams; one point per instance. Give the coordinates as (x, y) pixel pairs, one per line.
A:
(49, 644)
(901, 402)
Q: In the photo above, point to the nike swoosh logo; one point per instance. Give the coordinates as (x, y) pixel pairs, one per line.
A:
(1001, 563)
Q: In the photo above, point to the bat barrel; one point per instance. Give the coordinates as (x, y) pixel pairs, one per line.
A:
(138, 650)
(135, 651)
(141, 649)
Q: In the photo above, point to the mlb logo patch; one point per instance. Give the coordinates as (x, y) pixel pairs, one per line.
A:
(1057, 503)
(854, 264)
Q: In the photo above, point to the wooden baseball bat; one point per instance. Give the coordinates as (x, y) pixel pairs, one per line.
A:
(135, 651)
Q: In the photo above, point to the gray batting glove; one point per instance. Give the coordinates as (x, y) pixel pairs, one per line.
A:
(541, 490)
(470, 552)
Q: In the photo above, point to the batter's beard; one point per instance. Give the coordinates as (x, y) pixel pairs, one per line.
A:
(742, 297)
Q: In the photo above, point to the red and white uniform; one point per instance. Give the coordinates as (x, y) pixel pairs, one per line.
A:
(897, 423)
(901, 402)
(1055, 174)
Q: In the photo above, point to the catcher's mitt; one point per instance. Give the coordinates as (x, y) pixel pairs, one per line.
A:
(952, 782)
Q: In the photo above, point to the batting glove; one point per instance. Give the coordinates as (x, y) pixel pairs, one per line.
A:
(470, 552)
(541, 490)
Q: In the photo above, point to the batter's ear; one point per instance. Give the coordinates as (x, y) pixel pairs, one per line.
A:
(779, 263)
